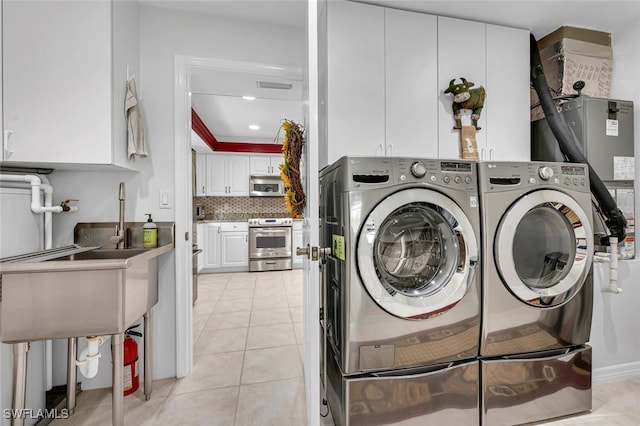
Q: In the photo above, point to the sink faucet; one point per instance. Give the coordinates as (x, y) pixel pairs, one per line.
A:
(119, 237)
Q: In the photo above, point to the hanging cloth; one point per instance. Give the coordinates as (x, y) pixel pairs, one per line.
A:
(135, 128)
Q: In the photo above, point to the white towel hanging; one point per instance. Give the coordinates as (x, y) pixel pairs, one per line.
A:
(136, 146)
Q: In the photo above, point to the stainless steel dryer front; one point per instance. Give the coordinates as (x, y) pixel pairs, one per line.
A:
(401, 296)
(537, 291)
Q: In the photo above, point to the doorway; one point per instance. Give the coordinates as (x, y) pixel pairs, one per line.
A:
(184, 66)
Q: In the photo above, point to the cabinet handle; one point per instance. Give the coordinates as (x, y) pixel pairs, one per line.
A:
(491, 154)
(5, 144)
(390, 149)
(379, 147)
(483, 154)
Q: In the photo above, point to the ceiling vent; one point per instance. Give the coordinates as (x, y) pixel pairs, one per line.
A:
(274, 85)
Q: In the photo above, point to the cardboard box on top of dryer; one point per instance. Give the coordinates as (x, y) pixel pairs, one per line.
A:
(570, 54)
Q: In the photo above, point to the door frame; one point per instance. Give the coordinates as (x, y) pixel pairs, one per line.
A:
(183, 65)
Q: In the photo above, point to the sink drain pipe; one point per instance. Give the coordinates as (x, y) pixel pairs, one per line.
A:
(88, 359)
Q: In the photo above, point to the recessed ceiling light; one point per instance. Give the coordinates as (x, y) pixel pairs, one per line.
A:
(254, 127)
(249, 98)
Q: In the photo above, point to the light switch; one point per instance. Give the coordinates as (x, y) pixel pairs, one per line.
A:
(165, 199)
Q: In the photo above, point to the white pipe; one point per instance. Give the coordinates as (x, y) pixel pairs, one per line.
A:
(87, 361)
(613, 267)
(42, 184)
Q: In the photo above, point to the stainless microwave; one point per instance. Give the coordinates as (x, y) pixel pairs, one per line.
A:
(266, 186)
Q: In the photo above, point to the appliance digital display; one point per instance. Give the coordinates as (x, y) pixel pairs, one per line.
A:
(573, 170)
(452, 166)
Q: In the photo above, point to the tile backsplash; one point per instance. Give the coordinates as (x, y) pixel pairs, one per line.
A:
(240, 208)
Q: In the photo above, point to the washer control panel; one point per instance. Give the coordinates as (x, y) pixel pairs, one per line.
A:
(502, 176)
(448, 173)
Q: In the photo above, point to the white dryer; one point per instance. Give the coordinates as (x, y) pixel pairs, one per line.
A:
(537, 290)
(401, 296)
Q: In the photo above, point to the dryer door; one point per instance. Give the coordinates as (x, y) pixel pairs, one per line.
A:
(544, 248)
(416, 253)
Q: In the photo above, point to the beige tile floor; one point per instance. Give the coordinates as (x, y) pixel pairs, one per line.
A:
(248, 366)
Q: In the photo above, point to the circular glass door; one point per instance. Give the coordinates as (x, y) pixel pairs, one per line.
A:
(543, 248)
(415, 252)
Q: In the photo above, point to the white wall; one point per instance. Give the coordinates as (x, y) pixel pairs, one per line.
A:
(163, 34)
(614, 332)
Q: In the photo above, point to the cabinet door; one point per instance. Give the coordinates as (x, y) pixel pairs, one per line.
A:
(411, 57)
(202, 244)
(235, 248)
(260, 165)
(276, 161)
(238, 175)
(461, 53)
(507, 111)
(355, 79)
(212, 247)
(296, 239)
(216, 175)
(201, 175)
(57, 81)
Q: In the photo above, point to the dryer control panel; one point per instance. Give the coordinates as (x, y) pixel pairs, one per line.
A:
(505, 176)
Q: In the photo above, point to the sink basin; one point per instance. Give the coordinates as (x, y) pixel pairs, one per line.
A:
(95, 292)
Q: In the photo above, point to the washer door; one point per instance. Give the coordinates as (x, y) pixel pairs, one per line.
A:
(544, 248)
(416, 253)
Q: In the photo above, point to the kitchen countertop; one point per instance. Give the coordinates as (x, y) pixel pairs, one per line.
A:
(238, 217)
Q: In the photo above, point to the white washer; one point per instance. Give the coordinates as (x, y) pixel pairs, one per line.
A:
(537, 290)
(401, 290)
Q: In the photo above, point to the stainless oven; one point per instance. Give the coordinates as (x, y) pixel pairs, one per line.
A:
(270, 244)
(266, 186)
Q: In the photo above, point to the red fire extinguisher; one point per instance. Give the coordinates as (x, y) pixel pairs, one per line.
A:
(131, 380)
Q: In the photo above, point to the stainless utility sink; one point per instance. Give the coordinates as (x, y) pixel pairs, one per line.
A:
(95, 292)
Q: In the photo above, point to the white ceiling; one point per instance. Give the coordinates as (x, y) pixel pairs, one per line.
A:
(228, 117)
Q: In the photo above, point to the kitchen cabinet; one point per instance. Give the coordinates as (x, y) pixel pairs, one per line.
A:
(296, 240)
(265, 165)
(225, 247)
(498, 60)
(234, 243)
(381, 83)
(211, 246)
(386, 72)
(64, 79)
(201, 175)
(227, 175)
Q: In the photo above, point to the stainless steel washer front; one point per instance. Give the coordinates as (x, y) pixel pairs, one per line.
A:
(538, 246)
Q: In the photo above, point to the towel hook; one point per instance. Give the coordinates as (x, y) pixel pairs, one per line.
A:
(130, 77)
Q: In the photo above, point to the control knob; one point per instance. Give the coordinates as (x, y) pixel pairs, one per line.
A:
(545, 172)
(418, 169)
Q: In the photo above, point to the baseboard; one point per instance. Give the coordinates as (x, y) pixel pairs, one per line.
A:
(616, 372)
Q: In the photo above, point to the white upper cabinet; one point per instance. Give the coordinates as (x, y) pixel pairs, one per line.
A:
(496, 58)
(355, 79)
(265, 165)
(64, 78)
(411, 84)
(227, 175)
(383, 73)
(507, 106)
(201, 175)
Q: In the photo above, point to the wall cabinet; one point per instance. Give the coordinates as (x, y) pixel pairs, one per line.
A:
(381, 91)
(227, 175)
(500, 63)
(225, 247)
(64, 79)
(385, 72)
(265, 165)
(201, 175)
